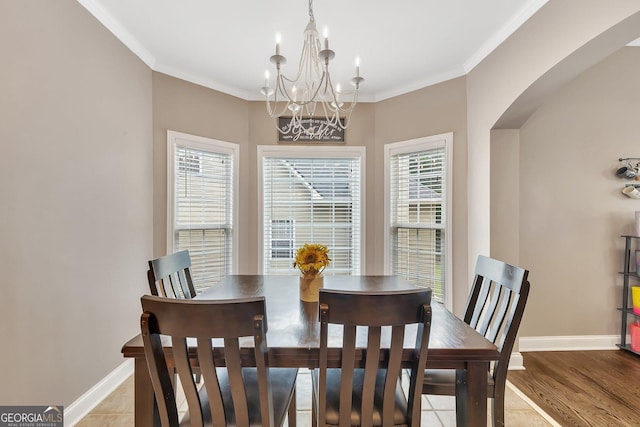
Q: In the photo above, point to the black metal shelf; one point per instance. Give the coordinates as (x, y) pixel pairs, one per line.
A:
(629, 311)
(626, 312)
(630, 274)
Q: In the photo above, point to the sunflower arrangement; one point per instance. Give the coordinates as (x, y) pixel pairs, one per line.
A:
(312, 259)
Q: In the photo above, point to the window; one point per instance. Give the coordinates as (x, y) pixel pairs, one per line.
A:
(201, 199)
(311, 196)
(417, 212)
(282, 240)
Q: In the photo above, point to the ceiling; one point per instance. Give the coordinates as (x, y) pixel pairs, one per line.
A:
(403, 45)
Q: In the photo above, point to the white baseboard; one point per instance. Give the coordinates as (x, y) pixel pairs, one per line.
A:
(569, 343)
(89, 400)
(562, 343)
(516, 362)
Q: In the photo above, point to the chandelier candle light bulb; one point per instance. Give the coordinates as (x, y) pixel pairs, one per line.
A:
(326, 38)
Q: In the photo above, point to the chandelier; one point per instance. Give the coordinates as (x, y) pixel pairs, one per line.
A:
(310, 98)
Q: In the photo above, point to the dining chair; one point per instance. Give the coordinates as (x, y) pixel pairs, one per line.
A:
(494, 308)
(170, 276)
(239, 388)
(370, 393)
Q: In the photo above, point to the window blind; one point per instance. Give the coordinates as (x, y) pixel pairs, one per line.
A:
(417, 214)
(311, 200)
(203, 203)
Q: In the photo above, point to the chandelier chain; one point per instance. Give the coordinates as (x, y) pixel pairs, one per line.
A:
(311, 17)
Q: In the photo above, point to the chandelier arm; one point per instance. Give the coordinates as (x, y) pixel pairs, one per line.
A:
(329, 85)
(330, 116)
(301, 65)
(285, 93)
(349, 111)
(272, 109)
(276, 124)
(304, 57)
(347, 119)
(338, 108)
(283, 90)
(317, 90)
(335, 118)
(352, 104)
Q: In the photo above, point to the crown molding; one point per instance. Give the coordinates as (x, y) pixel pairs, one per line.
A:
(106, 19)
(503, 33)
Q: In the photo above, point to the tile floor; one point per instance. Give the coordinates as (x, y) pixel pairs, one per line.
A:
(439, 411)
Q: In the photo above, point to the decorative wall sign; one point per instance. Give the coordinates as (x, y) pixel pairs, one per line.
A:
(327, 132)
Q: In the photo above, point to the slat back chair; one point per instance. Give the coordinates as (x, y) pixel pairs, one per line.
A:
(370, 394)
(170, 276)
(494, 308)
(232, 394)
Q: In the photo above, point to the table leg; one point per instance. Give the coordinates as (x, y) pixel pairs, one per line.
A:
(146, 413)
(471, 395)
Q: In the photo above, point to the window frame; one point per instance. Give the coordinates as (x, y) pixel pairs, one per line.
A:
(317, 152)
(413, 146)
(210, 145)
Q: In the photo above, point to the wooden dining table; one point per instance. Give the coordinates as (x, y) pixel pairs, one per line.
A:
(294, 331)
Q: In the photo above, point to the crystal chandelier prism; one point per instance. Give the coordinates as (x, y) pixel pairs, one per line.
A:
(314, 104)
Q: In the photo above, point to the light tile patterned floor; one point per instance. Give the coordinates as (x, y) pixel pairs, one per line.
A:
(439, 411)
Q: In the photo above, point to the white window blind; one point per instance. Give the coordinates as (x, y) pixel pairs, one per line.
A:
(318, 199)
(202, 207)
(418, 215)
(282, 240)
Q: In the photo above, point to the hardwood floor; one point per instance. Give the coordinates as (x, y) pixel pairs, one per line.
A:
(583, 388)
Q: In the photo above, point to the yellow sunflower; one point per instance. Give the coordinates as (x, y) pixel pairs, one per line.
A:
(312, 258)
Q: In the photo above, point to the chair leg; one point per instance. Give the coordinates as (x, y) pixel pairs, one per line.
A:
(314, 411)
(292, 413)
(497, 409)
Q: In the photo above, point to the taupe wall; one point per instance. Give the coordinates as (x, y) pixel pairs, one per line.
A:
(505, 195)
(433, 110)
(186, 107)
(75, 185)
(572, 211)
(534, 53)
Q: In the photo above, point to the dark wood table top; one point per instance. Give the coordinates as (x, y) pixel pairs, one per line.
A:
(293, 327)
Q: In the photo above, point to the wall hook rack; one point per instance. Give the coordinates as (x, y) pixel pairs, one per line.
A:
(629, 170)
